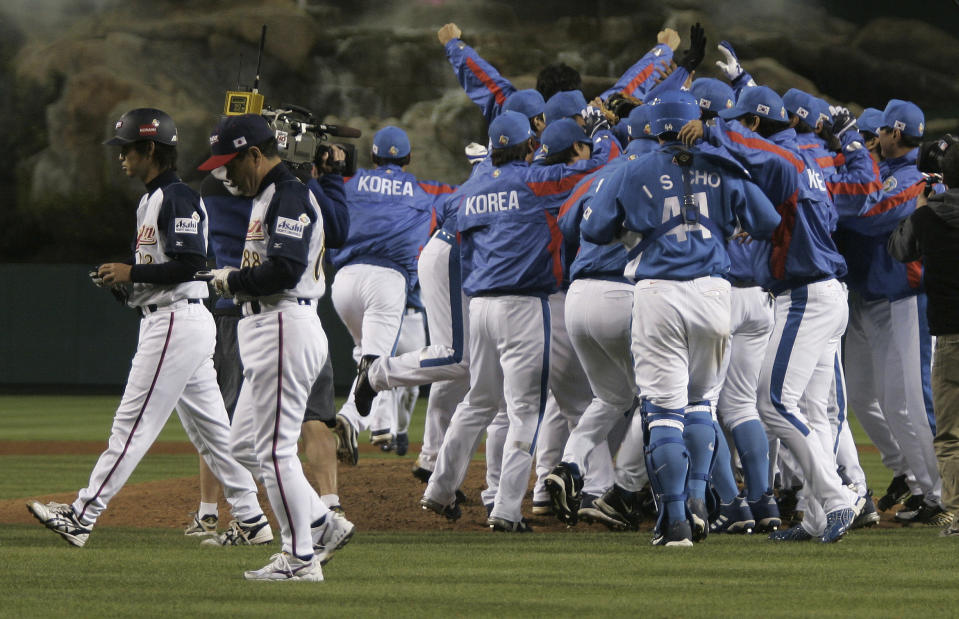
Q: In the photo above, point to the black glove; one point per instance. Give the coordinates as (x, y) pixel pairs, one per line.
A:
(842, 119)
(697, 48)
(595, 121)
(832, 141)
(121, 293)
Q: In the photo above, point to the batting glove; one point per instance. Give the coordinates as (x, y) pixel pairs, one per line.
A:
(731, 67)
(95, 278)
(595, 120)
(842, 119)
(220, 281)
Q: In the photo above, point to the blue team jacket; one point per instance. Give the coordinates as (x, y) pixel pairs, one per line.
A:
(650, 197)
(391, 218)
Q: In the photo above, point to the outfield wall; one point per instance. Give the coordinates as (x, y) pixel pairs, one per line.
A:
(61, 331)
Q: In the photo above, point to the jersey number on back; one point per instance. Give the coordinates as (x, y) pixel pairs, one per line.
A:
(672, 208)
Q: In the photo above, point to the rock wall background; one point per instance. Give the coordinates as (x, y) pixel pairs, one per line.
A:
(69, 69)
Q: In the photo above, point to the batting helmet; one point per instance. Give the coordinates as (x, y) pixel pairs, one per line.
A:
(144, 123)
(670, 111)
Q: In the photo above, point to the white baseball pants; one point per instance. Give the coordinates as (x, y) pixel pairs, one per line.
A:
(283, 350)
(172, 367)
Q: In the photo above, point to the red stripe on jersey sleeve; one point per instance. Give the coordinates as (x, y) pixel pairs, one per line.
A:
(551, 188)
(909, 193)
(914, 273)
(555, 243)
(769, 147)
(641, 77)
(435, 189)
(484, 77)
(571, 201)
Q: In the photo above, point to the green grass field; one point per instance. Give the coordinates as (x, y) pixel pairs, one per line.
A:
(159, 572)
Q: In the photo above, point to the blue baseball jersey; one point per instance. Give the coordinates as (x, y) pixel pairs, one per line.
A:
(391, 216)
(510, 242)
(590, 260)
(802, 249)
(667, 237)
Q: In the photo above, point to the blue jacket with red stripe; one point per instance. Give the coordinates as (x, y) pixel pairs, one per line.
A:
(664, 240)
(391, 218)
(510, 242)
(874, 273)
(489, 90)
(802, 249)
(592, 260)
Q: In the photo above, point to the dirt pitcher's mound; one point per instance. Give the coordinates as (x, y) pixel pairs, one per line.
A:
(379, 494)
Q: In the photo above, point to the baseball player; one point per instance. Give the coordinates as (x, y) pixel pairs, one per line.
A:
(905, 358)
(173, 366)
(508, 282)
(391, 214)
(598, 315)
(677, 208)
(282, 344)
(229, 219)
(801, 271)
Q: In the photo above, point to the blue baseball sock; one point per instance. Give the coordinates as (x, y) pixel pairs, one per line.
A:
(753, 447)
(670, 464)
(722, 476)
(700, 438)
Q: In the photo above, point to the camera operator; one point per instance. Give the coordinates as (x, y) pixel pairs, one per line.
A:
(931, 233)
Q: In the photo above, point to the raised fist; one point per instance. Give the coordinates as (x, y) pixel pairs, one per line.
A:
(448, 32)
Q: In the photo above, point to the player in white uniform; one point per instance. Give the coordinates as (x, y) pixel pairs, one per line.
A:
(173, 364)
(282, 343)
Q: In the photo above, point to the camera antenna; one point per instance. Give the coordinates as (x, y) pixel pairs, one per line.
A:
(239, 70)
(259, 59)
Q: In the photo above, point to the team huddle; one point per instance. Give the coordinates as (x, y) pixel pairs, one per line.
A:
(644, 296)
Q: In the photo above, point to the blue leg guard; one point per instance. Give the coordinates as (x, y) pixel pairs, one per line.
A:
(722, 476)
(753, 447)
(700, 438)
(667, 460)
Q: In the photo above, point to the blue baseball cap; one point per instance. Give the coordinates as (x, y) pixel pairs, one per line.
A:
(561, 135)
(803, 105)
(712, 95)
(391, 143)
(527, 102)
(234, 134)
(509, 129)
(759, 100)
(905, 116)
(822, 107)
(670, 111)
(564, 104)
(638, 123)
(870, 120)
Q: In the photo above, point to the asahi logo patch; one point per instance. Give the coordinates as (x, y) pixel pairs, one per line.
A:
(186, 225)
(292, 228)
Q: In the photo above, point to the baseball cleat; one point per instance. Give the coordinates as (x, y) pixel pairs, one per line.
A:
(565, 486)
(244, 533)
(795, 533)
(402, 443)
(933, 515)
(508, 526)
(587, 512)
(698, 518)
(331, 535)
(910, 509)
(451, 512)
(766, 513)
(422, 474)
(837, 524)
(734, 517)
(868, 516)
(347, 449)
(896, 493)
(60, 518)
(383, 438)
(615, 511)
(364, 393)
(542, 508)
(284, 566)
(201, 527)
(679, 535)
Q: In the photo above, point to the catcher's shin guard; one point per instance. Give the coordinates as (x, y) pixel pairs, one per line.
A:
(667, 461)
(699, 434)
